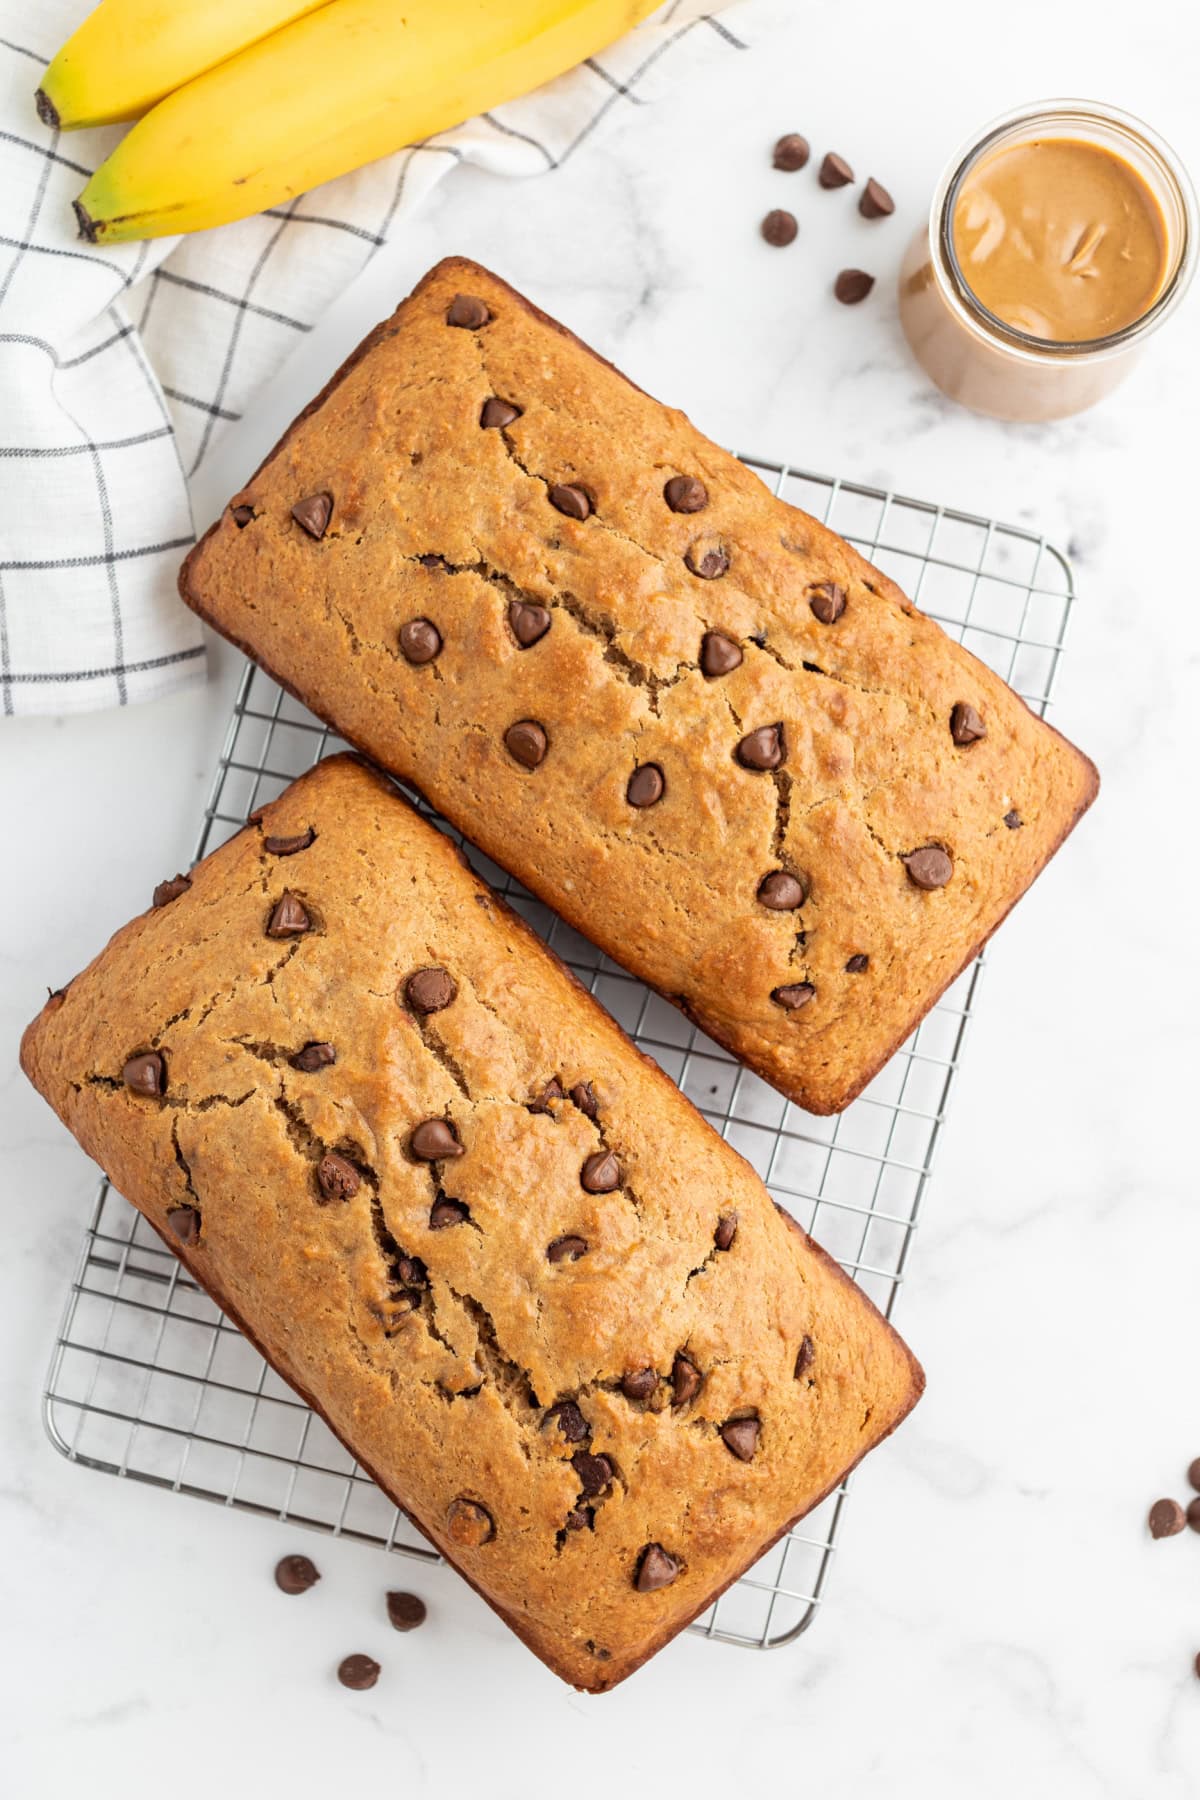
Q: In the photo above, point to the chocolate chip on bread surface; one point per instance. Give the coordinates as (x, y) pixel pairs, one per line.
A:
(558, 1318)
(640, 682)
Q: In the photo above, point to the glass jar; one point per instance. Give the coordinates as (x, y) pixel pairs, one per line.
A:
(992, 367)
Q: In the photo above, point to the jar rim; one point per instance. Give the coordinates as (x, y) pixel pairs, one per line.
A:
(1043, 113)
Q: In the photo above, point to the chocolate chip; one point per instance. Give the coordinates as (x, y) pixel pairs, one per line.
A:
(405, 1611)
(685, 494)
(875, 202)
(552, 1091)
(601, 1173)
(740, 1437)
(595, 1472)
(566, 1249)
(574, 501)
(726, 1230)
(762, 749)
(583, 1095)
(289, 919)
(526, 743)
(791, 153)
(313, 1057)
(166, 891)
(184, 1224)
(529, 623)
(410, 1271)
(1193, 1514)
(468, 311)
(420, 641)
(468, 1524)
(928, 867)
(966, 726)
(1013, 820)
(1194, 1474)
(857, 963)
(646, 786)
(434, 1141)
(430, 990)
(781, 892)
(313, 514)
(656, 1568)
(852, 285)
(358, 1673)
(288, 846)
(795, 995)
(805, 1357)
(570, 1421)
(1167, 1518)
(337, 1178)
(498, 413)
(241, 516)
(444, 1213)
(578, 1519)
(708, 561)
(827, 602)
(835, 171)
(639, 1384)
(719, 655)
(145, 1075)
(685, 1379)
(779, 228)
(296, 1574)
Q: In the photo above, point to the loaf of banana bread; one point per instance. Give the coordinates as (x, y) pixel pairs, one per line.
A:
(547, 1308)
(687, 716)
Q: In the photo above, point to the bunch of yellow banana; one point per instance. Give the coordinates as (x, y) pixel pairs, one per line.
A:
(243, 104)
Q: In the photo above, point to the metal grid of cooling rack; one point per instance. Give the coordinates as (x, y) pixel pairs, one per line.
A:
(150, 1381)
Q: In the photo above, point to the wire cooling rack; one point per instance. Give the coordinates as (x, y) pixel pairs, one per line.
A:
(151, 1382)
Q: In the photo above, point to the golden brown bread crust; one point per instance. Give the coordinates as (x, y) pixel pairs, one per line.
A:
(871, 772)
(438, 1373)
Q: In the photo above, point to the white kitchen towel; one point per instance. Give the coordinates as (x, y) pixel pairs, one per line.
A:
(119, 367)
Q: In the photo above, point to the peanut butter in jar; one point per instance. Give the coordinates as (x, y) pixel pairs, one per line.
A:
(1055, 244)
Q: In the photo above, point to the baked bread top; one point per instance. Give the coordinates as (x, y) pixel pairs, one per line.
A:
(689, 717)
(555, 1316)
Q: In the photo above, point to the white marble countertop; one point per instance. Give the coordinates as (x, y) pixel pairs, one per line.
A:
(998, 1621)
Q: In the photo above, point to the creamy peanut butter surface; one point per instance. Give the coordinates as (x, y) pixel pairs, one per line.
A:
(1061, 239)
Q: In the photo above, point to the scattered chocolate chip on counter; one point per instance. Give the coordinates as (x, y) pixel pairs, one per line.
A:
(1194, 1474)
(852, 286)
(791, 152)
(875, 202)
(780, 228)
(1193, 1514)
(296, 1574)
(1167, 1518)
(406, 1611)
(358, 1672)
(835, 171)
